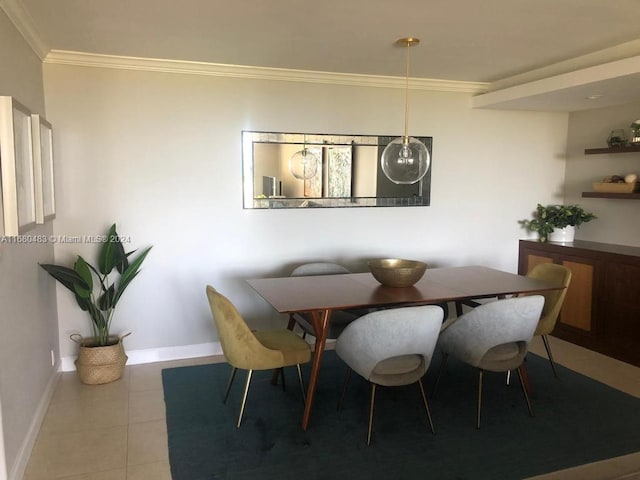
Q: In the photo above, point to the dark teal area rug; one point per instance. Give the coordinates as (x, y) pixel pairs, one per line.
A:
(577, 420)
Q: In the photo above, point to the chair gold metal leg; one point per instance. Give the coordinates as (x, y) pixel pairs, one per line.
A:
(445, 356)
(347, 376)
(426, 405)
(545, 340)
(233, 375)
(508, 377)
(244, 397)
(524, 390)
(479, 397)
(373, 401)
(304, 398)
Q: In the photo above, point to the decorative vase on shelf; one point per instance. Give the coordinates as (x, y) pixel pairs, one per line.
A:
(617, 138)
(563, 235)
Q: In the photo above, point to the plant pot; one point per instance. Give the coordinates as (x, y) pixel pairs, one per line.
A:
(563, 235)
(97, 365)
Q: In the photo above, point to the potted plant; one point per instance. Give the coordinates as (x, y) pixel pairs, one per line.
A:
(556, 218)
(97, 291)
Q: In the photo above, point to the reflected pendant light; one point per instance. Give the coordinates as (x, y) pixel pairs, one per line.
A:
(406, 160)
(303, 164)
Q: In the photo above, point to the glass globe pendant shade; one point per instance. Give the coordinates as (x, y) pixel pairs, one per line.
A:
(405, 160)
(303, 164)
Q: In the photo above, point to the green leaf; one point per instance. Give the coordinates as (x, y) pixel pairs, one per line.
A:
(130, 273)
(83, 303)
(84, 272)
(71, 280)
(66, 276)
(110, 255)
(105, 302)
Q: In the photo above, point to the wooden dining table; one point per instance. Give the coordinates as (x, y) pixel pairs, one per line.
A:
(320, 295)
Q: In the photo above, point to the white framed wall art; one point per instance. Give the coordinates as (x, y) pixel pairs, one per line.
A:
(45, 201)
(17, 167)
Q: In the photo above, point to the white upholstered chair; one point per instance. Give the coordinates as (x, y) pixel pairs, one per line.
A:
(391, 347)
(340, 318)
(494, 337)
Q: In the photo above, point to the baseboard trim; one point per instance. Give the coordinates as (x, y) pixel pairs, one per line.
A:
(161, 354)
(20, 465)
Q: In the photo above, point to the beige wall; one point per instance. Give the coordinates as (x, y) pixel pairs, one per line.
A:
(618, 220)
(28, 318)
(160, 154)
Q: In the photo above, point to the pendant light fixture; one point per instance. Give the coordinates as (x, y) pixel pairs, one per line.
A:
(406, 159)
(303, 164)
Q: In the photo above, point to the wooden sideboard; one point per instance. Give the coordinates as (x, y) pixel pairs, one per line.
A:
(602, 307)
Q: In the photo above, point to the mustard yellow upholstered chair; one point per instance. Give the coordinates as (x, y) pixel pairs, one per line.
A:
(560, 276)
(253, 350)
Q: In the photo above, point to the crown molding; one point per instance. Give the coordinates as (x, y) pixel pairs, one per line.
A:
(262, 73)
(23, 22)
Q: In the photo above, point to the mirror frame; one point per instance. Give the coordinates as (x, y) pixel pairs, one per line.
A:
(252, 201)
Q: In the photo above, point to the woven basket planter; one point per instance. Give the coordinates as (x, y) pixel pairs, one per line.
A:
(97, 365)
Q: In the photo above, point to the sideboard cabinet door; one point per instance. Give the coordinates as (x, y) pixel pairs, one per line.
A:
(602, 308)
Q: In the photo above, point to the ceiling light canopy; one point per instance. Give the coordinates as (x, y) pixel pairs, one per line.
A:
(406, 160)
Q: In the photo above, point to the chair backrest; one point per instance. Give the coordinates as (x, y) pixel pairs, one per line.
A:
(390, 333)
(511, 321)
(318, 268)
(559, 276)
(240, 346)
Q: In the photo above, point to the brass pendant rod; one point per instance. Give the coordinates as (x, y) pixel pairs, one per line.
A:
(408, 42)
(406, 99)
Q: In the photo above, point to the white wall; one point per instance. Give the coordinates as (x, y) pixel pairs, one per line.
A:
(160, 154)
(28, 317)
(618, 220)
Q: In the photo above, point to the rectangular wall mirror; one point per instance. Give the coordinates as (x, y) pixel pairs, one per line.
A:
(340, 171)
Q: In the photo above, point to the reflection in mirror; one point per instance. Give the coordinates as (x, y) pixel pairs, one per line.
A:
(348, 172)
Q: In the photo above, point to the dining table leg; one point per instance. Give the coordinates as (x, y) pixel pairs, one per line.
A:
(320, 321)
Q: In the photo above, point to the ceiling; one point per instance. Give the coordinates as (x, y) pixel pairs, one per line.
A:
(540, 55)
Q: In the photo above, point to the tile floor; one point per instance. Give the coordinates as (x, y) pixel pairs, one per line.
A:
(118, 431)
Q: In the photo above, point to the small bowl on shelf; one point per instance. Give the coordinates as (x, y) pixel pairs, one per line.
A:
(397, 272)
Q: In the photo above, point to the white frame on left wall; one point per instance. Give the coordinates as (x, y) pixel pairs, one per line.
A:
(45, 200)
(17, 167)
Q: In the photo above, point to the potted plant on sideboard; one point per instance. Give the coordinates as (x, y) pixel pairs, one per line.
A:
(557, 223)
(101, 358)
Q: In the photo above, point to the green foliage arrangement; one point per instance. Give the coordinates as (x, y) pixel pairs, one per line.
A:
(546, 219)
(114, 273)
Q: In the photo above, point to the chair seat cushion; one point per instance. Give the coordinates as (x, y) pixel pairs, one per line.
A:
(400, 370)
(294, 349)
(504, 357)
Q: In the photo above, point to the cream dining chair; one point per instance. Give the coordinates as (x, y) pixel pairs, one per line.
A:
(339, 318)
(391, 347)
(494, 337)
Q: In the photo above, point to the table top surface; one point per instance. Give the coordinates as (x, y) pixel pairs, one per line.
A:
(336, 292)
